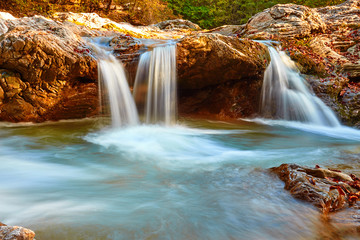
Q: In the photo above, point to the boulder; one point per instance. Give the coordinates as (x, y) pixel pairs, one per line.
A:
(284, 21)
(15, 233)
(42, 50)
(220, 76)
(40, 58)
(211, 59)
(330, 190)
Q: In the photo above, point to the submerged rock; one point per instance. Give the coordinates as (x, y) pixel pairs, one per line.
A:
(15, 233)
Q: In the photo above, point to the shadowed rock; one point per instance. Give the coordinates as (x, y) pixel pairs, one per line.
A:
(220, 76)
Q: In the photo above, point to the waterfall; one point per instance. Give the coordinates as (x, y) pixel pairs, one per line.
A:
(286, 95)
(113, 83)
(122, 105)
(155, 85)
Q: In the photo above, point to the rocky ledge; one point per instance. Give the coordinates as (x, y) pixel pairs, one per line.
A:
(48, 71)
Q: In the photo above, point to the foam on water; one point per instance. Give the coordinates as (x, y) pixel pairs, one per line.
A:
(180, 147)
(339, 132)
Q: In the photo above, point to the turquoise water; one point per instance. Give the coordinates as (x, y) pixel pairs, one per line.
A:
(196, 180)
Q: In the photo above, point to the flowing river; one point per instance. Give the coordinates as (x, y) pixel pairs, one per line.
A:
(198, 179)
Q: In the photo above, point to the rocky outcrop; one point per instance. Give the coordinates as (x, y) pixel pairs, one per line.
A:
(15, 233)
(212, 59)
(343, 15)
(283, 21)
(43, 59)
(94, 22)
(42, 50)
(220, 77)
(329, 190)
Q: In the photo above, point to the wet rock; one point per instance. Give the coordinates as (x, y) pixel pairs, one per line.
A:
(15, 233)
(211, 59)
(329, 190)
(230, 100)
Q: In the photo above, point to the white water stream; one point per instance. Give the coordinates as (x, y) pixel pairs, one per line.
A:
(286, 95)
(155, 84)
(114, 85)
(122, 105)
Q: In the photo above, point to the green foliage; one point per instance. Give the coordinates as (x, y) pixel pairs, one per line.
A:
(212, 13)
(198, 11)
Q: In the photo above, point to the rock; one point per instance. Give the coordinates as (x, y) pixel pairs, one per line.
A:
(15, 233)
(284, 21)
(77, 101)
(329, 190)
(220, 76)
(211, 59)
(228, 30)
(226, 101)
(4, 16)
(42, 50)
(176, 24)
(94, 21)
(343, 15)
(42, 58)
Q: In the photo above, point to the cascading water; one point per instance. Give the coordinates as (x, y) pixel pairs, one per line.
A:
(155, 85)
(122, 105)
(285, 94)
(112, 79)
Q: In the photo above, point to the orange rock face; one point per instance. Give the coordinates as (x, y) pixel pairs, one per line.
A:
(220, 76)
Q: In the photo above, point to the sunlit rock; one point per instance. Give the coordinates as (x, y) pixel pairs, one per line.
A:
(284, 21)
(15, 233)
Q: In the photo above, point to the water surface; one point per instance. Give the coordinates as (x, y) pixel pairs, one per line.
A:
(195, 180)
